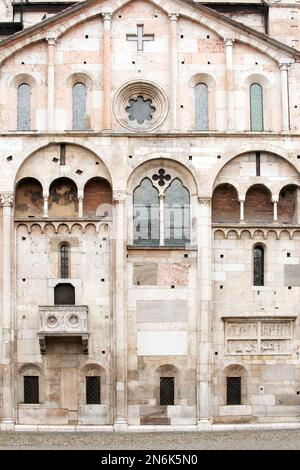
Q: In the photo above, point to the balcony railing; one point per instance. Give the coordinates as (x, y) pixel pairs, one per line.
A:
(61, 321)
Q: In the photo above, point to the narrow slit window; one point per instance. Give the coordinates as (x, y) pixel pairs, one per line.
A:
(201, 106)
(23, 107)
(166, 390)
(233, 391)
(64, 261)
(93, 390)
(258, 266)
(31, 389)
(256, 107)
(79, 107)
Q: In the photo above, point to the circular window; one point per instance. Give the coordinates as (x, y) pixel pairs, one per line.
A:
(140, 106)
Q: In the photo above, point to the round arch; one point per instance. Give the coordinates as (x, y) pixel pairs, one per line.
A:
(49, 153)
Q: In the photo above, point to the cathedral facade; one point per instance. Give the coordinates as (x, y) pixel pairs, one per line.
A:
(150, 214)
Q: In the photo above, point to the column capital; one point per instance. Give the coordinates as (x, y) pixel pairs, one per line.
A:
(173, 16)
(275, 199)
(228, 41)
(283, 66)
(242, 199)
(119, 196)
(51, 41)
(204, 200)
(107, 16)
(7, 199)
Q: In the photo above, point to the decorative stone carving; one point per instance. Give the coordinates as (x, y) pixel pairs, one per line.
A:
(119, 197)
(134, 90)
(242, 347)
(258, 336)
(63, 320)
(204, 200)
(7, 199)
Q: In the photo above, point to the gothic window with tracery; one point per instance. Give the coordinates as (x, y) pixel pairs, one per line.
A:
(161, 211)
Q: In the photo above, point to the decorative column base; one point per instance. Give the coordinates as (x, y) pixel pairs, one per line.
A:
(7, 425)
(204, 425)
(120, 424)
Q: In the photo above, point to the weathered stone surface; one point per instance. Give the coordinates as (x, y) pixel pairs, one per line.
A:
(162, 311)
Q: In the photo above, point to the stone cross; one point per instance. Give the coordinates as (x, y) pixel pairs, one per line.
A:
(140, 37)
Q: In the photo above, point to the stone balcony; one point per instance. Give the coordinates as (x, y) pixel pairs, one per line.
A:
(61, 321)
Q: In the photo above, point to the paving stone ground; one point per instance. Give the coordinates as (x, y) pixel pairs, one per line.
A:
(222, 440)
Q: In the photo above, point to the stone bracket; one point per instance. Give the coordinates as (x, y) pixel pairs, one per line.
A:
(84, 339)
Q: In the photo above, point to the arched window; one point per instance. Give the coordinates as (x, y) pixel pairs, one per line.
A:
(176, 214)
(201, 106)
(23, 107)
(256, 107)
(64, 260)
(145, 214)
(258, 266)
(79, 106)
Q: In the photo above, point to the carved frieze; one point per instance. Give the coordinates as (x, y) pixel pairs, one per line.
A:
(245, 336)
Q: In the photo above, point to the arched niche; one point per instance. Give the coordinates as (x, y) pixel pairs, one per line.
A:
(225, 204)
(63, 199)
(287, 204)
(29, 198)
(258, 204)
(97, 198)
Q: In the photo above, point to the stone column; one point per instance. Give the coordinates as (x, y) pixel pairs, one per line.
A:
(173, 70)
(106, 70)
(205, 313)
(6, 200)
(275, 215)
(228, 43)
(45, 208)
(120, 315)
(242, 212)
(284, 97)
(161, 220)
(297, 218)
(80, 204)
(50, 83)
